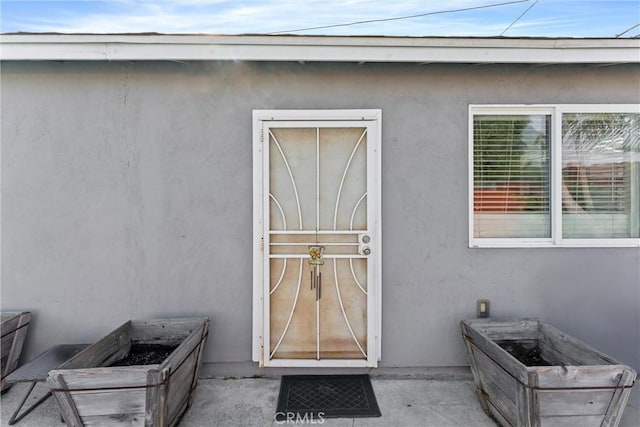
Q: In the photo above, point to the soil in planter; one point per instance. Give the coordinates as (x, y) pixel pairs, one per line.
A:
(145, 354)
(527, 352)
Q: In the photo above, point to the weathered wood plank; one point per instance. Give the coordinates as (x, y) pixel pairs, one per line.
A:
(162, 398)
(183, 363)
(65, 402)
(178, 406)
(474, 369)
(121, 420)
(573, 402)
(506, 329)
(18, 340)
(187, 346)
(196, 374)
(555, 357)
(14, 333)
(573, 421)
(619, 399)
(163, 331)
(503, 403)
(579, 376)
(9, 322)
(154, 378)
(94, 378)
(179, 387)
(500, 388)
(110, 402)
(497, 415)
(574, 349)
(109, 349)
(180, 410)
(6, 346)
(490, 371)
(495, 352)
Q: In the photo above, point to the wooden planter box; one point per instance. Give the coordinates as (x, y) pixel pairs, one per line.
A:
(581, 387)
(14, 326)
(91, 392)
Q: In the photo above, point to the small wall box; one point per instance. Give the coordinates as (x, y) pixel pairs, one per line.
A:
(578, 386)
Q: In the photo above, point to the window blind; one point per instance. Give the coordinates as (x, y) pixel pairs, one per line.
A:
(511, 173)
(600, 175)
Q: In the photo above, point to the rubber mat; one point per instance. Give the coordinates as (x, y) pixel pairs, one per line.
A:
(315, 397)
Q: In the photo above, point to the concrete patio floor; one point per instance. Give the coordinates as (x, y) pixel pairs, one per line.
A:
(252, 402)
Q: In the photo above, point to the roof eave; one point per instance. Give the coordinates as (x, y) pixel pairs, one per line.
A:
(91, 47)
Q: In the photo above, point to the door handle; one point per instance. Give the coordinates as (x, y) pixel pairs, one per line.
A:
(366, 250)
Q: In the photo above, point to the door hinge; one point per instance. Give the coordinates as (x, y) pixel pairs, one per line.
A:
(261, 364)
(262, 244)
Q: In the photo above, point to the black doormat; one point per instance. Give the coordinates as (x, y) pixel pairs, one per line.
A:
(315, 397)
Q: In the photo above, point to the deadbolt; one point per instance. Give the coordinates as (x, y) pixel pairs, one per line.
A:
(366, 239)
(366, 251)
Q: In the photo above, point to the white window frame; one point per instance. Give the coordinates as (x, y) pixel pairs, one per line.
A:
(555, 186)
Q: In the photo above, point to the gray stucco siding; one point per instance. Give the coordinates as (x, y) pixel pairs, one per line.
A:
(127, 193)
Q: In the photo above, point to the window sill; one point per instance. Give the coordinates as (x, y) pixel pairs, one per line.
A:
(566, 243)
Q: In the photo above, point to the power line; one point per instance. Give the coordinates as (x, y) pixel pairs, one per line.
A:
(400, 17)
(518, 18)
(627, 30)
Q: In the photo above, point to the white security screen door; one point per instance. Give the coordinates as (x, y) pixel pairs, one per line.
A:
(317, 236)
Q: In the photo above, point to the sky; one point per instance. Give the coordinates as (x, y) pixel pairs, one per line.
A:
(482, 18)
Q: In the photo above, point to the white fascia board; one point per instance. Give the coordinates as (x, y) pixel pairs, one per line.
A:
(16, 47)
(317, 115)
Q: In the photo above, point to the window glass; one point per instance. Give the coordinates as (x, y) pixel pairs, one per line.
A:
(600, 175)
(511, 176)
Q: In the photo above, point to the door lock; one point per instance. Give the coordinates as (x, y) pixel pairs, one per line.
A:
(363, 244)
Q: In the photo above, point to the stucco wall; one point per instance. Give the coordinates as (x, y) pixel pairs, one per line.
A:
(126, 193)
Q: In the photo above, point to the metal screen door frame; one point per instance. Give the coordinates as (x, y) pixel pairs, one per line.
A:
(263, 121)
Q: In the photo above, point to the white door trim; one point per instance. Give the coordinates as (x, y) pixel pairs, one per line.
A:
(260, 176)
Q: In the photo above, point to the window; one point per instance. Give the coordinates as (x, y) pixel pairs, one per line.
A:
(562, 175)
(511, 176)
